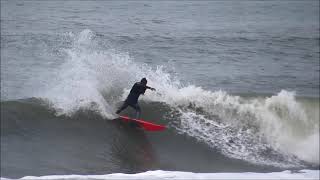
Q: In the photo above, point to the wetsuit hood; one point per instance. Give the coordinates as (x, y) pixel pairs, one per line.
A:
(144, 81)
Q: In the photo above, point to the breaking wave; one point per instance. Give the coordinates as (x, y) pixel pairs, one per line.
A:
(280, 130)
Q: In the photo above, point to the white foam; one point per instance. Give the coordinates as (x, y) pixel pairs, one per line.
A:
(248, 128)
(290, 129)
(159, 174)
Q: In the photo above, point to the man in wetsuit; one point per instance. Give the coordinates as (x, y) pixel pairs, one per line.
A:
(132, 99)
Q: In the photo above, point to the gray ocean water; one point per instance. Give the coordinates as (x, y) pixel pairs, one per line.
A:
(237, 46)
(237, 84)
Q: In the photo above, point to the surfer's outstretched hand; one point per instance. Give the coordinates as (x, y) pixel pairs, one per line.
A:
(153, 89)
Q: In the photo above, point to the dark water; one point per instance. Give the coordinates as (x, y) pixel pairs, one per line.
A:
(237, 84)
(34, 141)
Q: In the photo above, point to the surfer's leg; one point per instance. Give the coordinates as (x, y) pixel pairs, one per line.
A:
(138, 110)
(124, 105)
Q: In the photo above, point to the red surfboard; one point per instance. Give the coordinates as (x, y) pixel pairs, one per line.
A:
(148, 126)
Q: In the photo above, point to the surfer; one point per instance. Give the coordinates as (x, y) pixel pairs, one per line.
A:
(132, 100)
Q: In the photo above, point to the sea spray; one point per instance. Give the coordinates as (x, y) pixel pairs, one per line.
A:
(87, 76)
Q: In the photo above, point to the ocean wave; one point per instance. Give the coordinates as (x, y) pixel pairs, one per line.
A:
(262, 130)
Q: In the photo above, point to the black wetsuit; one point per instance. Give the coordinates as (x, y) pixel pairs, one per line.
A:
(132, 100)
(136, 90)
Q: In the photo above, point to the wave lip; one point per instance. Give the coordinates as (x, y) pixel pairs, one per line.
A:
(160, 174)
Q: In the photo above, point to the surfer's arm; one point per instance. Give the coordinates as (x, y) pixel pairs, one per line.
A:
(151, 88)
